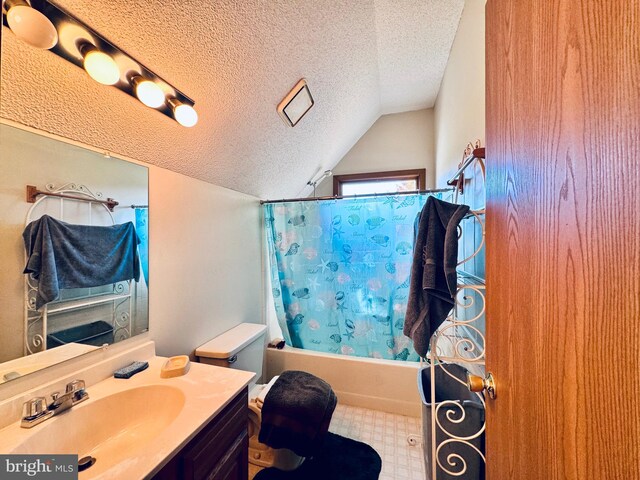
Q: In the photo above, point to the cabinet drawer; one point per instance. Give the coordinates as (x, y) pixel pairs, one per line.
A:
(234, 465)
(207, 450)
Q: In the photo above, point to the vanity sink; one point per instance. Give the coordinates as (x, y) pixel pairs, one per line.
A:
(110, 428)
(134, 427)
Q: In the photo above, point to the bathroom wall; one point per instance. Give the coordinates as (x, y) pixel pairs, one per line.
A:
(205, 261)
(460, 107)
(400, 141)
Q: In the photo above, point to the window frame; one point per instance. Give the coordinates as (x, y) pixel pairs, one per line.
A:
(419, 175)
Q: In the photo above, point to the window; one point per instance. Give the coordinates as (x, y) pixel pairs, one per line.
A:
(379, 182)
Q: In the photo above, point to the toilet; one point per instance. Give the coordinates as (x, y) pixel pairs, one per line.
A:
(243, 348)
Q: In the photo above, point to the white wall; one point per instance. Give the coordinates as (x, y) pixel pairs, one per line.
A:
(460, 106)
(400, 141)
(205, 261)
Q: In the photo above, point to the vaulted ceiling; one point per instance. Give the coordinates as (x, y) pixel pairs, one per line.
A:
(237, 60)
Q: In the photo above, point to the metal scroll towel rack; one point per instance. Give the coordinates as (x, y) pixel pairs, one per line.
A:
(63, 203)
(33, 193)
(461, 339)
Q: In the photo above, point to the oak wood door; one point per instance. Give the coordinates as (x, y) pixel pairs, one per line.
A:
(563, 239)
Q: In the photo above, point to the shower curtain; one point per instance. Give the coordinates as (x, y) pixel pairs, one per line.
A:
(340, 273)
(142, 229)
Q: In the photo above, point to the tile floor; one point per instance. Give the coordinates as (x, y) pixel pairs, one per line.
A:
(387, 434)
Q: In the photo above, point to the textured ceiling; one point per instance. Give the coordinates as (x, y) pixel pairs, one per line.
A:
(414, 40)
(237, 60)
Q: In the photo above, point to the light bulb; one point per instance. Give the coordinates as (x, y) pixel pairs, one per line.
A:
(100, 66)
(32, 26)
(148, 92)
(184, 114)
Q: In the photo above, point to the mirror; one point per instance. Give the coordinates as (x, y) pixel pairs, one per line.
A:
(74, 320)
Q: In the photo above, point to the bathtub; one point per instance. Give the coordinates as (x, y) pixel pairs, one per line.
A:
(387, 385)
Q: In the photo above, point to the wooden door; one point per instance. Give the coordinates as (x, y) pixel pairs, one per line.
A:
(563, 239)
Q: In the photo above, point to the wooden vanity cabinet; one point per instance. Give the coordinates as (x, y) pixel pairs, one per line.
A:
(219, 452)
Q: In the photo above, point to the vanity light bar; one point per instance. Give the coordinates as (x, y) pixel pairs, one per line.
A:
(104, 62)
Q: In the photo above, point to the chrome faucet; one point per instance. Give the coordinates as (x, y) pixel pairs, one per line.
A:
(36, 410)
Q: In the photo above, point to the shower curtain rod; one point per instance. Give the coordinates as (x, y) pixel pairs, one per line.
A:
(340, 197)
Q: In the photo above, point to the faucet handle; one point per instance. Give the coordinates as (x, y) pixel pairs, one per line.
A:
(34, 407)
(76, 390)
(34, 412)
(75, 386)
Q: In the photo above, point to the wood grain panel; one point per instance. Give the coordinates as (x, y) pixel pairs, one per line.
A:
(563, 239)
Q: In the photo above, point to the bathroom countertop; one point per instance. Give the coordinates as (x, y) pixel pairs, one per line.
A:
(207, 390)
(37, 361)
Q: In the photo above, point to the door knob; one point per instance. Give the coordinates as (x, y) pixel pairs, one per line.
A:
(476, 383)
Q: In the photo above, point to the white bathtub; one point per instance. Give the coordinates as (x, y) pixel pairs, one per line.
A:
(386, 385)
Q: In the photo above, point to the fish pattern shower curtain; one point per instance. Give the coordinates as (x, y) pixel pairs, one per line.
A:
(340, 273)
(142, 229)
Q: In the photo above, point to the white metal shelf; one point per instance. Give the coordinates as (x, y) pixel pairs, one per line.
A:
(460, 340)
(99, 213)
(465, 277)
(85, 302)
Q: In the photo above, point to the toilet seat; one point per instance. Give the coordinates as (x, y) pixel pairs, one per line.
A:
(259, 453)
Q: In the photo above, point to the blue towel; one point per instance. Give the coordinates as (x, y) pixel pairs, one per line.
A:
(61, 255)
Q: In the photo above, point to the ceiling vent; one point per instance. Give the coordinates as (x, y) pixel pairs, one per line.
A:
(296, 104)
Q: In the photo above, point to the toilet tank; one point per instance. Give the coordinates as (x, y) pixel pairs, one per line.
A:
(242, 347)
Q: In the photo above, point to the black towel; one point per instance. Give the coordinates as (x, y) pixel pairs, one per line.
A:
(61, 255)
(339, 459)
(297, 412)
(434, 279)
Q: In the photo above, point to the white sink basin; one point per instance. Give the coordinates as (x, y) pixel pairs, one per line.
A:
(110, 429)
